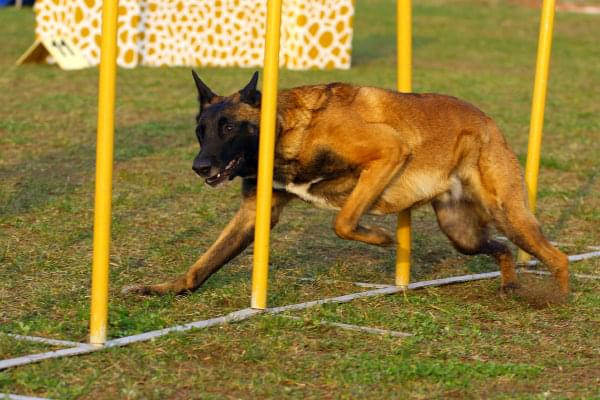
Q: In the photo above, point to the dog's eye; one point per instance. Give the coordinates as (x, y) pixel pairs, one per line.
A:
(228, 128)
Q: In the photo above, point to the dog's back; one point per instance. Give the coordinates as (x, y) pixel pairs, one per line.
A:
(442, 135)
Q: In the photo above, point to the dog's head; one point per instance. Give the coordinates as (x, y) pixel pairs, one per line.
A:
(227, 130)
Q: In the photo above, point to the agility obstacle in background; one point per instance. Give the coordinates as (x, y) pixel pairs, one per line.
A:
(315, 34)
(104, 162)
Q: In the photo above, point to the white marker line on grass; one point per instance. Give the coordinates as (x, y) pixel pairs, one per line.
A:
(581, 276)
(358, 328)
(339, 299)
(54, 342)
(454, 279)
(232, 317)
(575, 257)
(9, 396)
(360, 284)
(13, 362)
(247, 313)
(371, 285)
(553, 243)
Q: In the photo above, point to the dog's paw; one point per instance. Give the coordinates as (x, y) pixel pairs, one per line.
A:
(136, 290)
(380, 236)
(510, 287)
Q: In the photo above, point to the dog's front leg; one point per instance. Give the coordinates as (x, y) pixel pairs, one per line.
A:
(374, 178)
(236, 236)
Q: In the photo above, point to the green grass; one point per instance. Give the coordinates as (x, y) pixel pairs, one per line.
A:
(469, 341)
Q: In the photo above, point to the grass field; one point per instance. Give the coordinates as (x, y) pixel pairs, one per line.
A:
(469, 341)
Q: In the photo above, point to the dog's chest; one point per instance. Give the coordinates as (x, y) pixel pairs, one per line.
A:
(302, 190)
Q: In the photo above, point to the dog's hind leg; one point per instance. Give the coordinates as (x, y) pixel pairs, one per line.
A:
(503, 194)
(521, 227)
(465, 224)
(236, 236)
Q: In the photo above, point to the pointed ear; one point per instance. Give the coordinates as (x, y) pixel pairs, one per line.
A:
(249, 94)
(205, 95)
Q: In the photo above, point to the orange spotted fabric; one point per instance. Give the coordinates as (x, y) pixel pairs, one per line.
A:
(314, 33)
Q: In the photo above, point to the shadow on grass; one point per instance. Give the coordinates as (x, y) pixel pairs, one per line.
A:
(539, 293)
(47, 177)
(568, 211)
(61, 172)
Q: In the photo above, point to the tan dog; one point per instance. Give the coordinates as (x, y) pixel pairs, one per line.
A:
(368, 150)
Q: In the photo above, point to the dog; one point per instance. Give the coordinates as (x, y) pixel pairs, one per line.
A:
(357, 150)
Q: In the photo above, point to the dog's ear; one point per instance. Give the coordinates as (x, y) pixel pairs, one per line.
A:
(205, 95)
(249, 94)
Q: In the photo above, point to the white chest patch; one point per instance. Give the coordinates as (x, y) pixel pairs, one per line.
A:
(302, 191)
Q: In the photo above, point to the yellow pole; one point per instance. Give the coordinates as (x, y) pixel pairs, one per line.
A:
(104, 161)
(532, 165)
(266, 151)
(404, 65)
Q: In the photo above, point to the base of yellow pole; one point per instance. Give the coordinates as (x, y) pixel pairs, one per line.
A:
(403, 250)
(98, 321)
(523, 257)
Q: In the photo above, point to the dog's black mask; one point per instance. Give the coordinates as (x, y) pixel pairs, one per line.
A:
(227, 130)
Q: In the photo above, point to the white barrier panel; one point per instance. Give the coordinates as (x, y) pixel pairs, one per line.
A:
(314, 33)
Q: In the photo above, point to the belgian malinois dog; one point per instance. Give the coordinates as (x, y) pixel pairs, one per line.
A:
(358, 150)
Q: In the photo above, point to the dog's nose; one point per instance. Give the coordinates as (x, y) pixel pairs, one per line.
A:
(202, 168)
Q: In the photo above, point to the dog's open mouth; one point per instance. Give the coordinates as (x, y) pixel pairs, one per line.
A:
(224, 173)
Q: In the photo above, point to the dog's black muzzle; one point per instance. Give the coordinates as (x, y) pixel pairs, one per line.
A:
(202, 167)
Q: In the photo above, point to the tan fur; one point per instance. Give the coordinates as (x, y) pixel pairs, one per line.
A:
(369, 150)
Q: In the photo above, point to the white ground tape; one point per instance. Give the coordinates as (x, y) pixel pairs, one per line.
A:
(505, 239)
(360, 284)
(8, 396)
(584, 256)
(340, 299)
(357, 328)
(234, 316)
(580, 276)
(575, 257)
(454, 279)
(247, 313)
(231, 317)
(371, 285)
(53, 342)
(13, 362)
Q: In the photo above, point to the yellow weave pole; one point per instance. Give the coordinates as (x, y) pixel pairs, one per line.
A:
(404, 65)
(536, 124)
(104, 165)
(260, 271)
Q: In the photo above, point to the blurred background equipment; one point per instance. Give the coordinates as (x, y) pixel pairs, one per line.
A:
(314, 34)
